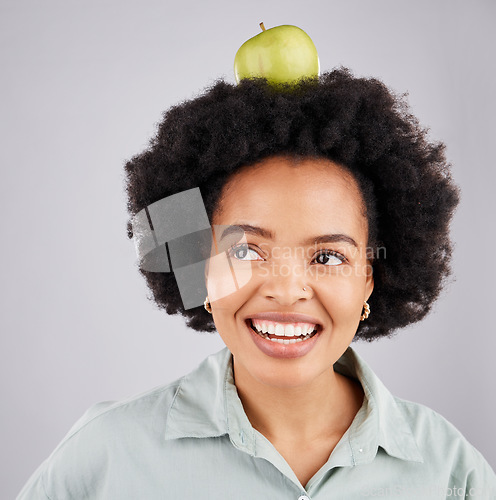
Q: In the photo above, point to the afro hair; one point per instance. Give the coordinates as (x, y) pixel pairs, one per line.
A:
(358, 123)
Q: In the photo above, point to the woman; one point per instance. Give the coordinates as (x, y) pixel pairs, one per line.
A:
(330, 212)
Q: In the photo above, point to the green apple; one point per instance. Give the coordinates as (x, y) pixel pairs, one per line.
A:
(280, 54)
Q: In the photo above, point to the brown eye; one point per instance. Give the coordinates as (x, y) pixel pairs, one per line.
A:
(329, 258)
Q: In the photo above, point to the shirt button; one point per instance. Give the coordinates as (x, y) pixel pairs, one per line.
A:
(303, 497)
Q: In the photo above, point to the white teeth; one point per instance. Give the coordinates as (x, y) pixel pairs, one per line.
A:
(289, 331)
(287, 341)
(283, 329)
(310, 329)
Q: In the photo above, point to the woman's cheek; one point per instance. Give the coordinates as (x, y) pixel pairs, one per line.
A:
(226, 277)
(341, 292)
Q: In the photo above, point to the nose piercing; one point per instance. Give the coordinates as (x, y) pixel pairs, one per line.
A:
(304, 289)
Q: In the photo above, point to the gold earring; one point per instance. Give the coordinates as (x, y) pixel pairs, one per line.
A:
(207, 305)
(366, 312)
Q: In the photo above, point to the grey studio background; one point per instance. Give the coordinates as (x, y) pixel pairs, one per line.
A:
(83, 85)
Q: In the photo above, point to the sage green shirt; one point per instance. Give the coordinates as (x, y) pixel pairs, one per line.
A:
(191, 440)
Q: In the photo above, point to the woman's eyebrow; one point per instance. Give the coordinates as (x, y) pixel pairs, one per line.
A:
(265, 233)
(330, 238)
(247, 228)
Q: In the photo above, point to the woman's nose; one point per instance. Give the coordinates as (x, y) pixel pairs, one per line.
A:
(286, 283)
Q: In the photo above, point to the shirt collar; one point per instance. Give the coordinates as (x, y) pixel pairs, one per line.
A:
(206, 404)
(380, 421)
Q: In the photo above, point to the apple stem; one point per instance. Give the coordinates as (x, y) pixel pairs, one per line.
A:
(262, 26)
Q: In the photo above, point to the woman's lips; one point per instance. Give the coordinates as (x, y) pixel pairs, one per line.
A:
(282, 348)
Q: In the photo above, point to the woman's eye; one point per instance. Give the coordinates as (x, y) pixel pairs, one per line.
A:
(330, 258)
(243, 252)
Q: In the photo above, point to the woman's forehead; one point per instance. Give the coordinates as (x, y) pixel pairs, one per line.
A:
(309, 197)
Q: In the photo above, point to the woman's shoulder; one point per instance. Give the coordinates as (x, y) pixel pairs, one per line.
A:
(441, 442)
(426, 423)
(128, 410)
(115, 438)
(423, 439)
(107, 432)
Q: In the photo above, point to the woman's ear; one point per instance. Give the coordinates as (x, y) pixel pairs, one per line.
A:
(369, 283)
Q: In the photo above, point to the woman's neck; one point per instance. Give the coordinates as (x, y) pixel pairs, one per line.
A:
(299, 415)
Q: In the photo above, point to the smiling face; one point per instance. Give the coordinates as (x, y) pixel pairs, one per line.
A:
(303, 252)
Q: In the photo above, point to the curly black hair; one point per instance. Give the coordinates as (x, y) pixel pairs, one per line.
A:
(358, 123)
